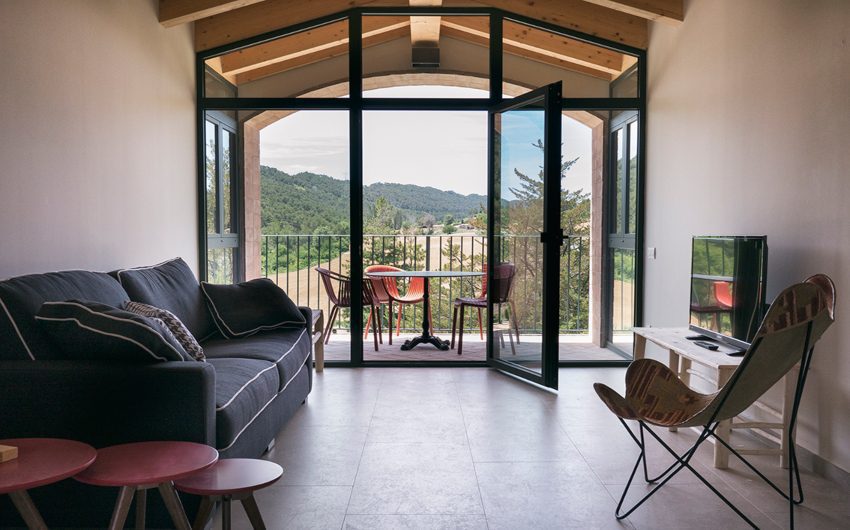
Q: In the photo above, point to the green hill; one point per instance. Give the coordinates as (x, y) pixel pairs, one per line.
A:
(307, 203)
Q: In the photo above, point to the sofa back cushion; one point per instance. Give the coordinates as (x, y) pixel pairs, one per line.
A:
(172, 286)
(21, 298)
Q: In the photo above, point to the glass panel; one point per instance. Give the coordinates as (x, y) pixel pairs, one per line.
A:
(220, 265)
(534, 57)
(424, 197)
(633, 165)
(519, 161)
(619, 181)
(228, 154)
(298, 169)
(289, 66)
(429, 50)
(623, 267)
(211, 171)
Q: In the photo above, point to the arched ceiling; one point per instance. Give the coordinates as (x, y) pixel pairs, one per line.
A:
(220, 22)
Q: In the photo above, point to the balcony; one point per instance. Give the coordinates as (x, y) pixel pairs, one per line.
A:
(290, 260)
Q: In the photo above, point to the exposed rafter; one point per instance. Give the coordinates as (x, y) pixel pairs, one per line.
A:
(664, 10)
(176, 12)
(600, 21)
(425, 31)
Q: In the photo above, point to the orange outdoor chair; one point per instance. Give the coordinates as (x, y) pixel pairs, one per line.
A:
(503, 281)
(386, 292)
(340, 297)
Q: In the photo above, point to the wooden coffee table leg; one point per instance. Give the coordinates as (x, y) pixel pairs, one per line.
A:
(253, 511)
(175, 507)
(225, 512)
(22, 501)
(141, 507)
(122, 507)
(204, 512)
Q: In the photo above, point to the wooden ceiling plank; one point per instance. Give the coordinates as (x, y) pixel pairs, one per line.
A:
(304, 43)
(662, 10)
(578, 15)
(372, 39)
(177, 12)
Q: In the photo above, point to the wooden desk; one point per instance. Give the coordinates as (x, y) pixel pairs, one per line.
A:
(683, 354)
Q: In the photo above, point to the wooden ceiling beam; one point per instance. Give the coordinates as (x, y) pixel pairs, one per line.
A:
(320, 55)
(663, 10)
(176, 12)
(578, 15)
(305, 43)
(425, 30)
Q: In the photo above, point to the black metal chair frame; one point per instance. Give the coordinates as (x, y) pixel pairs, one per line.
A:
(683, 460)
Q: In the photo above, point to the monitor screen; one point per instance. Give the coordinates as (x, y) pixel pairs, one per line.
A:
(727, 287)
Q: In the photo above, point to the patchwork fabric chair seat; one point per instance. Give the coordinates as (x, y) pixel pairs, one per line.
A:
(656, 396)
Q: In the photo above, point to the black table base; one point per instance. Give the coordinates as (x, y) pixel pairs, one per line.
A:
(426, 337)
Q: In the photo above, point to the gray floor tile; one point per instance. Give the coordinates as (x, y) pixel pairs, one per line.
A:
(415, 522)
(295, 508)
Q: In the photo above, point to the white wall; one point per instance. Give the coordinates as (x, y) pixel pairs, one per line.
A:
(97, 148)
(749, 133)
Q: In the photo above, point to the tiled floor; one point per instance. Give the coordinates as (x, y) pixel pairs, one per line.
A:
(472, 448)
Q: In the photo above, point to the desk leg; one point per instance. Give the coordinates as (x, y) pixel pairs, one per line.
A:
(673, 364)
(790, 384)
(640, 346)
(724, 429)
(22, 501)
(319, 345)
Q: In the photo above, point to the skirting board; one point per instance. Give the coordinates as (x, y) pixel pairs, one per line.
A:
(822, 467)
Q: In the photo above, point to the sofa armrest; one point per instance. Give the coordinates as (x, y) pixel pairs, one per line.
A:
(104, 403)
(308, 316)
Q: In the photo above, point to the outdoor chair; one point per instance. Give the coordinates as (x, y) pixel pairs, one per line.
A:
(656, 396)
(340, 297)
(503, 280)
(386, 292)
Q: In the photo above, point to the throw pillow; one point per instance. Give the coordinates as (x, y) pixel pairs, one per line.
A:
(180, 331)
(247, 308)
(94, 331)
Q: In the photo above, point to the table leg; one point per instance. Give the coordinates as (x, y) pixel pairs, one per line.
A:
(141, 507)
(724, 428)
(225, 512)
(673, 364)
(426, 337)
(204, 512)
(640, 346)
(790, 387)
(122, 507)
(22, 501)
(253, 511)
(319, 346)
(175, 507)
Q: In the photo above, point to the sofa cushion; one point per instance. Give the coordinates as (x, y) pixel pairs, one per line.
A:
(174, 324)
(170, 285)
(246, 308)
(287, 349)
(21, 298)
(243, 389)
(84, 330)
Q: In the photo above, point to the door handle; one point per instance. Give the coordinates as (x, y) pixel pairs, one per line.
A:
(559, 237)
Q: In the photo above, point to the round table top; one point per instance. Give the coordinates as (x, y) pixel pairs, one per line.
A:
(231, 476)
(423, 274)
(141, 463)
(43, 461)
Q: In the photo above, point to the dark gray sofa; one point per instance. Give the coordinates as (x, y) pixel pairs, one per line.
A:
(237, 401)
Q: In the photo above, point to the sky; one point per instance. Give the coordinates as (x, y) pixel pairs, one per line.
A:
(443, 149)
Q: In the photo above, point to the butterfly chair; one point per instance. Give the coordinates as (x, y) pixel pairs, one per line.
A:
(386, 292)
(340, 297)
(656, 396)
(503, 280)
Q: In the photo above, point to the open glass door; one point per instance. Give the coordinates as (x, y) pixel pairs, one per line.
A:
(525, 235)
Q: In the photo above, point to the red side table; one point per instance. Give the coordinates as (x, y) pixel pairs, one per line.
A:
(231, 479)
(137, 467)
(40, 461)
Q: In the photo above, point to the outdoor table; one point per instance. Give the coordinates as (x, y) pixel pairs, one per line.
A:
(40, 461)
(426, 337)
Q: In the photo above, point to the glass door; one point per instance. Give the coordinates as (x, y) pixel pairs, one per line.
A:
(525, 231)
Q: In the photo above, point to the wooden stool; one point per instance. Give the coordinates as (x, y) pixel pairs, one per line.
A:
(137, 467)
(231, 479)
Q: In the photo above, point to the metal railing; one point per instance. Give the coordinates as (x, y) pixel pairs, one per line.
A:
(290, 261)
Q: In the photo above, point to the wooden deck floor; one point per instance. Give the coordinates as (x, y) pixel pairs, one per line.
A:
(474, 349)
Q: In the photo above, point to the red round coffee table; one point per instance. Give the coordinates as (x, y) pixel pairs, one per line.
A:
(231, 479)
(137, 467)
(40, 461)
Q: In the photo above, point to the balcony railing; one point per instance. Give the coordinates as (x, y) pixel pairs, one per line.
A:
(290, 261)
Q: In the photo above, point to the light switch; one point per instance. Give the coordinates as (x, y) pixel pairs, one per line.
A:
(650, 252)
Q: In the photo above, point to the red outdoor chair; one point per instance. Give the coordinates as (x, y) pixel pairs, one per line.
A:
(503, 280)
(340, 297)
(386, 292)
